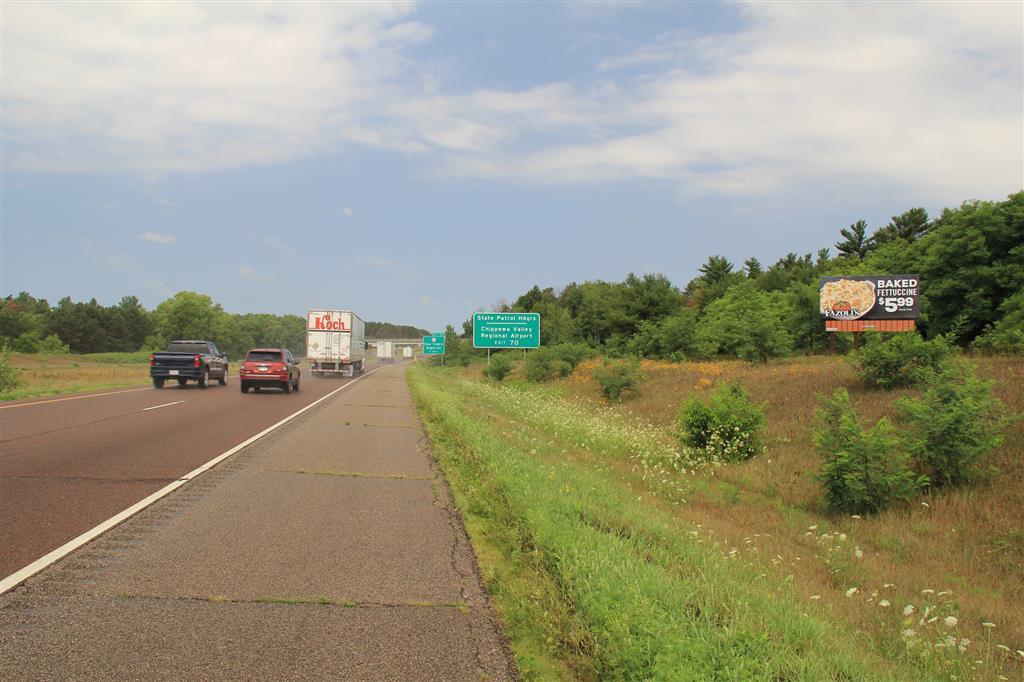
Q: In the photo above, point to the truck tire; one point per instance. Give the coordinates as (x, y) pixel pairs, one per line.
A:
(223, 378)
(204, 379)
(182, 382)
(297, 383)
(245, 387)
(158, 382)
(287, 385)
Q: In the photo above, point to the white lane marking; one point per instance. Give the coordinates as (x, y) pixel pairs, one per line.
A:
(74, 397)
(20, 576)
(157, 407)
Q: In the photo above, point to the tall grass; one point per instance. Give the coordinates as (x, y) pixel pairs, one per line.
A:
(958, 555)
(655, 601)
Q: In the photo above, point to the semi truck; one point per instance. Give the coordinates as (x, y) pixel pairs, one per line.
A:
(385, 351)
(335, 342)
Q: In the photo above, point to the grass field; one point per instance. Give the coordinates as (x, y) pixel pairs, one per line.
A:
(53, 374)
(611, 557)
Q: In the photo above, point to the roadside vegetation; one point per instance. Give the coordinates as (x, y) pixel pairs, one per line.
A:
(30, 375)
(619, 545)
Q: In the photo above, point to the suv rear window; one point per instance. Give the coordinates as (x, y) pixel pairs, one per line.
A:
(200, 348)
(263, 356)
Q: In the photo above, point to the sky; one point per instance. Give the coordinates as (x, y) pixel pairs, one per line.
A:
(415, 162)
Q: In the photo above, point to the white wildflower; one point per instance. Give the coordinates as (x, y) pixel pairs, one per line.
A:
(925, 504)
(908, 610)
(1003, 647)
(815, 596)
(887, 585)
(858, 553)
(964, 643)
(855, 516)
(884, 602)
(987, 624)
(850, 592)
(842, 537)
(950, 621)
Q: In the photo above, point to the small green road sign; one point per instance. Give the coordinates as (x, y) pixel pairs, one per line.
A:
(433, 344)
(506, 330)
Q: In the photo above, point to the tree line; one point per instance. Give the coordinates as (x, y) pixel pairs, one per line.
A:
(29, 325)
(32, 325)
(970, 260)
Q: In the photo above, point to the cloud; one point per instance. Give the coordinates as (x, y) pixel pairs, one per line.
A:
(158, 237)
(119, 262)
(348, 212)
(278, 245)
(247, 272)
(191, 86)
(389, 266)
(921, 96)
(427, 300)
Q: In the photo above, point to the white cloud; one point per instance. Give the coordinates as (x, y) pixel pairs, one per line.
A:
(247, 272)
(427, 300)
(389, 266)
(191, 86)
(348, 212)
(119, 262)
(158, 237)
(278, 245)
(923, 96)
(926, 96)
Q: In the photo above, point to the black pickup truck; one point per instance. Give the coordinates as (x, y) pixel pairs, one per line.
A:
(186, 361)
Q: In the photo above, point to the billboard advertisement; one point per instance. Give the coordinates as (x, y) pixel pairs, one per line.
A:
(870, 297)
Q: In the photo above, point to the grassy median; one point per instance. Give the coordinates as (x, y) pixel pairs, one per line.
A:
(606, 562)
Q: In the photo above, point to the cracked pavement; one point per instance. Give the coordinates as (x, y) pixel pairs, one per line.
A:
(330, 549)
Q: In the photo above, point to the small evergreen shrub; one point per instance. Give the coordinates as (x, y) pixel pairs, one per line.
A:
(865, 470)
(953, 425)
(727, 428)
(893, 360)
(618, 378)
(499, 366)
(549, 362)
(9, 376)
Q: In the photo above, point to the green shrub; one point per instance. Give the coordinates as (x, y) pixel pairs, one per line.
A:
(893, 360)
(618, 378)
(28, 342)
(727, 428)
(499, 366)
(9, 376)
(548, 362)
(953, 424)
(1007, 334)
(54, 346)
(865, 470)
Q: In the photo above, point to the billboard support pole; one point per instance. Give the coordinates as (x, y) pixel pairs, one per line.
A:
(488, 356)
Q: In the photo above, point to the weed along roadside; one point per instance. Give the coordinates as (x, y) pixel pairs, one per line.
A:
(615, 551)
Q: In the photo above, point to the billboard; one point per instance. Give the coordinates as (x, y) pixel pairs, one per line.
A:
(869, 297)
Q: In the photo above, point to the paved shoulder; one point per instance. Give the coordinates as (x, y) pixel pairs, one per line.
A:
(331, 550)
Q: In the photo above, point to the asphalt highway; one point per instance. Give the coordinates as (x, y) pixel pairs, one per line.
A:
(67, 463)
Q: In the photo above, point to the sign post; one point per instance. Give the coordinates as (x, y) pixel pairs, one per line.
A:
(434, 345)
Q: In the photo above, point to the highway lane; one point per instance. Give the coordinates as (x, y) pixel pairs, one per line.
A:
(67, 465)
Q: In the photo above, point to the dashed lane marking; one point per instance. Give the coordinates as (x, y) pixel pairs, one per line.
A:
(24, 574)
(157, 407)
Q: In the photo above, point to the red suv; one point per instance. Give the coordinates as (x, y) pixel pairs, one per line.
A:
(274, 367)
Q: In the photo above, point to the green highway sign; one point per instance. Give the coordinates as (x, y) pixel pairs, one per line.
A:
(433, 344)
(506, 330)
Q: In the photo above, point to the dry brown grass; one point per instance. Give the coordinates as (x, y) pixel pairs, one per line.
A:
(969, 541)
(52, 374)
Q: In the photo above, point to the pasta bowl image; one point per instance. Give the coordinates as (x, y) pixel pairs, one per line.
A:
(847, 299)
